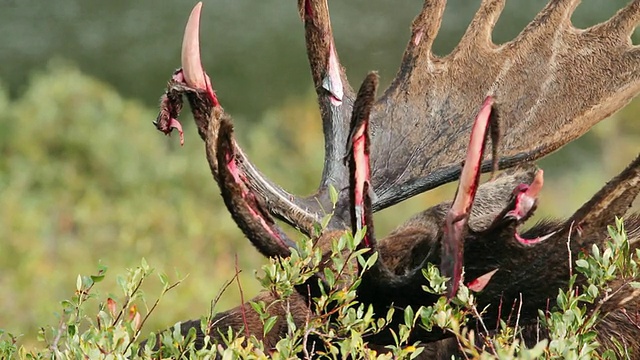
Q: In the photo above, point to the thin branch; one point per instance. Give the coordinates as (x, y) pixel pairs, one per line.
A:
(518, 316)
(54, 344)
(569, 249)
(633, 321)
(242, 307)
(144, 320)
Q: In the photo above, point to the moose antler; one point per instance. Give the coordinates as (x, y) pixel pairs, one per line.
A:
(432, 100)
(414, 137)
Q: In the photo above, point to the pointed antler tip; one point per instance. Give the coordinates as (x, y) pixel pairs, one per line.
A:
(191, 64)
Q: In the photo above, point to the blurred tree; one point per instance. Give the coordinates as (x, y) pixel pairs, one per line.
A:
(254, 51)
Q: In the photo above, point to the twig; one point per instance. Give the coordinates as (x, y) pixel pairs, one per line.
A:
(127, 300)
(307, 321)
(247, 331)
(484, 327)
(499, 312)
(155, 304)
(518, 315)
(54, 344)
(215, 301)
(479, 317)
(569, 249)
(608, 297)
(462, 346)
(633, 321)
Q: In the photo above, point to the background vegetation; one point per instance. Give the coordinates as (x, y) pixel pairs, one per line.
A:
(84, 177)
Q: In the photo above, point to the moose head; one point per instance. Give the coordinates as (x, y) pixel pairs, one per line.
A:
(530, 96)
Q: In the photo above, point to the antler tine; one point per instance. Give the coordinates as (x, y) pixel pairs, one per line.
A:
(424, 30)
(478, 34)
(551, 19)
(190, 58)
(335, 95)
(425, 27)
(623, 23)
(328, 76)
(358, 159)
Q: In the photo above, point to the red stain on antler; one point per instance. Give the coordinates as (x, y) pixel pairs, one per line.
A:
(247, 195)
(308, 10)
(175, 124)
(526, 196)
(457, 217)
(478, 284)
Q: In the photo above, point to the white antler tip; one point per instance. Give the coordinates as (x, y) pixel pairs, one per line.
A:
(191, 64)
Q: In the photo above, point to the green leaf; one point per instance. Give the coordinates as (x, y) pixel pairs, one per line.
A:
(582, 263)
(97, 278)
(268, 324)
(330, 277)
(408, 316)
(258, 306)
(164, 280)
(79, 283)
(71, 330)
(333, 195)
(325, 221)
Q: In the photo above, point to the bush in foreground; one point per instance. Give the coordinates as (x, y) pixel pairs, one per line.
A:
(91, 326)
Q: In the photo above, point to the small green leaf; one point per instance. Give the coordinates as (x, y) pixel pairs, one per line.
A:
(79, 282)
(71, 330)
(408, 316)
(333, 195)
(330, 277)
(268, 324)
(258, 306)
(325, 221)
(164, 280)
(582, 263)
(371, 260)
(97, 278)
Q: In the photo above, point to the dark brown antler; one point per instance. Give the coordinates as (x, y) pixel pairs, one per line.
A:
(432, 100)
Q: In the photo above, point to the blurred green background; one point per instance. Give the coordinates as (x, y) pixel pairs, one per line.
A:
(85, 178)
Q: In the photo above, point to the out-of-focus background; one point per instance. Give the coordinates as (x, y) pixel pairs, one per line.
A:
(85, 178)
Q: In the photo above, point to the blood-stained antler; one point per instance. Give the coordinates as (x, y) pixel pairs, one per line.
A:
(432, 100)
(414, 137)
